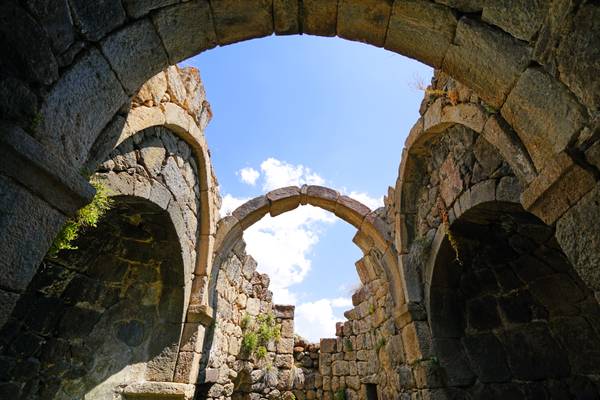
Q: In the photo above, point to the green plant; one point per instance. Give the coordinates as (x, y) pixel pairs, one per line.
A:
(371, 308)
(261, 352)
(340, 395)
(245, 322)
(249, 342)
(86, 217)
(259, 334)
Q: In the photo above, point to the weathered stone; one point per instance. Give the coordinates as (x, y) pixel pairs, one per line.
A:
(533, 354)
(55, 17)
(577, 234)
(454, 361)
(137, 41)
(506, 141)
(286, 17)
(67, 125)
(237, 20)
(421, 30)
(251, 211)
(579, 56)
(185, 29)
(351, 210)
(544, 114)
(487, 357)
(486, 60)
(364, 20)
(322, 197)
(319, 17)
(464, 5)
(561, 184)
(29, 50)
(521, 18)
(97, 19)
(283, 200)
(137, 8)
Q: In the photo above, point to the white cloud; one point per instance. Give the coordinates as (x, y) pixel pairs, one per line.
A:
(316, 320)
(372, 202)
(248, 175)
(279, 173)
(282, 245)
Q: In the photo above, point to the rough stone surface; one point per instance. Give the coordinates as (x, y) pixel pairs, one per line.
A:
(486, 60)
(140, 42)
(364, 20)
(421, 30)
(195, 19)
(98, 18)
(537, 94)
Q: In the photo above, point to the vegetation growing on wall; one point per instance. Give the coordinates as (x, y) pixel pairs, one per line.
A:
(87, 217)
(259, 333)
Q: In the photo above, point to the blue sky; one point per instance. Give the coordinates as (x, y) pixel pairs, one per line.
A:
(305, 109)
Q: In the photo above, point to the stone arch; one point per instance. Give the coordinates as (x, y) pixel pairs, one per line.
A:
(488, 54)
(502, 319)
(440, 117)
(99, 320)
(373, 232)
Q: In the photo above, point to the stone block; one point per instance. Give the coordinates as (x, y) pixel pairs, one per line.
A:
(578, 56)
(468, 114)
(252, 211)
(237, 20)
(96, 19)
(577, 234)
(319, 17)
(328, 345)
(508, 144)
(533, 354)
(140, 42)
(283, 200)
(582, 348)
(561, 184)
(286, 16)
(592, 154)
(68, 127)
(417, 341)
(421, 30)
(508, 190)
(487, 357)
(55, 18)
(544, 113)
(185, 29)
(283, 311)
(452, 358)
(26, 45)
(483, 192)
(322, 197)
(464, 5)
(482, 314)
(139, 8)
(351, 211)
(364, 20)
(521, 18)
(486, 60)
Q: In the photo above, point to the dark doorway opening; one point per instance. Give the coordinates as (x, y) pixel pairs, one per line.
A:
(371, 391)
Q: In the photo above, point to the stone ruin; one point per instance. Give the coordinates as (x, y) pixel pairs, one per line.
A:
(480, 276)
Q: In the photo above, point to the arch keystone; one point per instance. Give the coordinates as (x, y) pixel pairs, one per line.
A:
(283, 200)
(322, 197)
(319, 17)
(364, 20)
(237, 20)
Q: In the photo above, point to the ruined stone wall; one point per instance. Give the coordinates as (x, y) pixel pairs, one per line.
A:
(240, 299)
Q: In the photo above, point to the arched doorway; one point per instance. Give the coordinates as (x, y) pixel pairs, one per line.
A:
(102, 316)
(509, 316)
